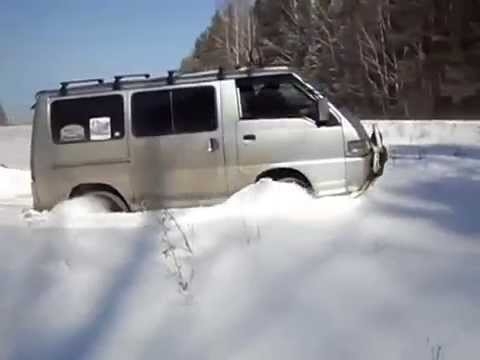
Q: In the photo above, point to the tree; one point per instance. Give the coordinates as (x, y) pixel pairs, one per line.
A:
(390, 58)
(3, 117)
(228, 42)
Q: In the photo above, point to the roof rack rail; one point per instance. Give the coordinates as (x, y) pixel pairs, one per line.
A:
(118, 78)
(171, 77)
(253, 68)
(65, 84)
(220, 73)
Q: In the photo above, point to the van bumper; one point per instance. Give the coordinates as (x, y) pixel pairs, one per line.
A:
(358, 172)
(362, 171)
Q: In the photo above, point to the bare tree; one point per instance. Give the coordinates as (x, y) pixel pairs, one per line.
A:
(387, 57)
(238, 32)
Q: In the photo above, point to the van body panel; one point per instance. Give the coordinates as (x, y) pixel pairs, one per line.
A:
(167, 169)
(230, 117)
(357, 169)
(296, 143)
(358, 172)
(58, 168)
(57, 184)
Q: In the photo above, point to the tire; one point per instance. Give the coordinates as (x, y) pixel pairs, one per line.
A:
(113, 202)
(295, 180)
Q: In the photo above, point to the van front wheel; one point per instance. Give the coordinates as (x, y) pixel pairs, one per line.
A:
(296, 181)
(288, 176)
(112, 202)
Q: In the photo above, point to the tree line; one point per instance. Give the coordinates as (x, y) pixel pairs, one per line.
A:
(382, 58)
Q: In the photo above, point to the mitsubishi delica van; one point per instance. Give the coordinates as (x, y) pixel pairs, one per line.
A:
(194, 139)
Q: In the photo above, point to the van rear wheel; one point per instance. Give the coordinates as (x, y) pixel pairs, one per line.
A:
(108, 196)
(112, 202)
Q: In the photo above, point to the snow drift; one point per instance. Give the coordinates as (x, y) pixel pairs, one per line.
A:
(271, 273)
(14, 183)
(15, 146)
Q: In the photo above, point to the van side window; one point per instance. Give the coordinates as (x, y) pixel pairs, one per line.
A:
(151, 114)
(97, 118)
(194, 109)
(274, 97)
(166, 112)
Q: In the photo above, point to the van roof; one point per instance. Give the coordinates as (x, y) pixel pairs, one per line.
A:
(173, 78)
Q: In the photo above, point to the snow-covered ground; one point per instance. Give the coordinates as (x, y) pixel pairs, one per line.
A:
(270, 274)
(15, 146)
(429, 132)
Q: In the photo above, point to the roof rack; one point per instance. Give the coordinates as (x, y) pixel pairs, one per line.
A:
(252, 69)
(176, 74)
(173, 75)
(65, 84)
(118, 78)
(221, 73)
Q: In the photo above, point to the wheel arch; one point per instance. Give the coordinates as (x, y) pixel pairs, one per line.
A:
(88, 188)
(280, 173)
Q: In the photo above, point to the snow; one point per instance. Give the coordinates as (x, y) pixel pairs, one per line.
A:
(428, 132)
(14, 183)
(15, 146)
(270, 273)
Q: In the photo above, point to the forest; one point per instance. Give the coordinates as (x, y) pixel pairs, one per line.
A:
(396, 59)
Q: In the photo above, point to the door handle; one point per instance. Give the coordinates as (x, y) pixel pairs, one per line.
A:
(250, 137)
(212, 145)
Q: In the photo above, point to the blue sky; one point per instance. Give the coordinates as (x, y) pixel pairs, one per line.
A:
(45, 42)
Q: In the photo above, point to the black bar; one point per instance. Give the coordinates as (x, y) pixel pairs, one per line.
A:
(221, 73)
(119, 78)
(65, 84)
(171, 77)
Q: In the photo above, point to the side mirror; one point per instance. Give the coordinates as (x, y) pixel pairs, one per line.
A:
(323, 112)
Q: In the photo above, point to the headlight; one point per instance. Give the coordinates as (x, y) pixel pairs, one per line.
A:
(358, 148)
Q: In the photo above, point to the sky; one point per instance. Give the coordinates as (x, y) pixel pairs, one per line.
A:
(45, 42)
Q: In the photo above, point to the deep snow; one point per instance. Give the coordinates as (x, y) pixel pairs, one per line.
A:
(271, 273)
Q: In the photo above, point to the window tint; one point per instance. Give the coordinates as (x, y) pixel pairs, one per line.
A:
(194, 110)
(274, 97)
(87, 119)
(151, 114)
(187, 110)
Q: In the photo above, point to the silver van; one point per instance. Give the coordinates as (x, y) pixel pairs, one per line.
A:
(194, 139)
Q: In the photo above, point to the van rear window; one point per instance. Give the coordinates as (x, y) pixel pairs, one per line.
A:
(151, 113)
(99, 118)
(194, 110)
